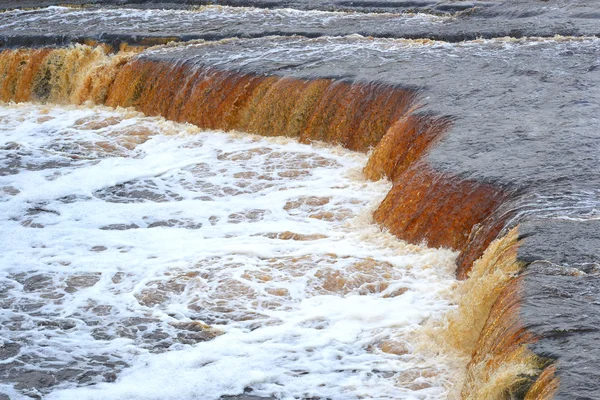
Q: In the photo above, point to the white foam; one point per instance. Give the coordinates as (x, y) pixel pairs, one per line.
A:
(200, 21)
(111, 248)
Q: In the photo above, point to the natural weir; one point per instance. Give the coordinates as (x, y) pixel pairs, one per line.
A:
(457, 183)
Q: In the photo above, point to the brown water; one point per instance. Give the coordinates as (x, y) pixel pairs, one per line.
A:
(148, 259)
(424, 204)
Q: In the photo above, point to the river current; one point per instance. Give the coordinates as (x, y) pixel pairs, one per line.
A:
(145, 259)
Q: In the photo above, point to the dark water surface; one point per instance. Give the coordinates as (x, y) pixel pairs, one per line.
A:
(445, 21)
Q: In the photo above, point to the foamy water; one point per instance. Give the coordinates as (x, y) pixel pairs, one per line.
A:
(143, 259)
(202, 19)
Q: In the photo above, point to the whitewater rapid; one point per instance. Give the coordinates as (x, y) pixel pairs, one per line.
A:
(144, 259)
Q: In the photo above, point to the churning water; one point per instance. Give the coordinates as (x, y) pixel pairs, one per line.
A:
(144, 259)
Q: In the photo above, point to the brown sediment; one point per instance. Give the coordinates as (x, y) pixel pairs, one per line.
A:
(424, 205)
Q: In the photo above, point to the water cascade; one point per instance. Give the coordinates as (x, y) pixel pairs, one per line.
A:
(438, 197)
(327, 110)
(357, 116)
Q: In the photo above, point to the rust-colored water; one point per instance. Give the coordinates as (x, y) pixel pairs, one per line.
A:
(440, 209)
(424, 205)
(486, 329)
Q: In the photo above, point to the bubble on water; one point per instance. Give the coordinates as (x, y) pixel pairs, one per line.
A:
(147, 259)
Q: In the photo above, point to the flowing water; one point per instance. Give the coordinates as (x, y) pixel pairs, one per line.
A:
(145, 259)
(148, 259)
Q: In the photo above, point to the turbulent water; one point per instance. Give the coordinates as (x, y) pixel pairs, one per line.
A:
(146, 259)
(201, 21)
(211, 22)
